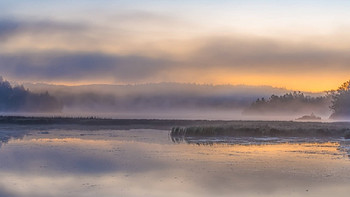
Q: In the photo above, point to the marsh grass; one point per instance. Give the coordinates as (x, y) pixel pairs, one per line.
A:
(265, 129)
(347, 135)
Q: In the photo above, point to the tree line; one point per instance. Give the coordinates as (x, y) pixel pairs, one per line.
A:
(341, 101)
(338, 101)
(18, 99)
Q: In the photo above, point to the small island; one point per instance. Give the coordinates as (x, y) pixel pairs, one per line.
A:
(311, 117)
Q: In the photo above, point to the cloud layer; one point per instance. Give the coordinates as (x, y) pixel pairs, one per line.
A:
(56, 51)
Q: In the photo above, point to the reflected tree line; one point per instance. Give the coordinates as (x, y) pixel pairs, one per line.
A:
(210, 141)
(11, 133)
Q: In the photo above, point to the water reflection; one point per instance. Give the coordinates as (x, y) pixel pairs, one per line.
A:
(148, 163)
(7, 133)
(342, 144)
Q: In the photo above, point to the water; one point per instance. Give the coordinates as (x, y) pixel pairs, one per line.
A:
(109, 163)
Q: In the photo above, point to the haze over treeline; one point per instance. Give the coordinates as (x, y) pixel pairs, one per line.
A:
(172, 98)
(177, 99)
(161, 96)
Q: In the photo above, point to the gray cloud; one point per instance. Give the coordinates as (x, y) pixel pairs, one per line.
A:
(77, 66)
(5, 193)
(234, 54)
(124, 24)
(269, 56)
(138, 17)
(238, 57)
(7, 28)
(10, 28)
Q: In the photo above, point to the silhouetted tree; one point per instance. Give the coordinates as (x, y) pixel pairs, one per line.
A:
(18, 99)
(341, 101)
(293, 102)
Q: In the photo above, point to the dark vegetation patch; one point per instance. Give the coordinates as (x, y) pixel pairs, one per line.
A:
(290, 103)
(18, 99)
(265, 129)
(341, 102)
(347, 135)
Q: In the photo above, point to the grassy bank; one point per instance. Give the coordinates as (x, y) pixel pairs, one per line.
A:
(265, 129)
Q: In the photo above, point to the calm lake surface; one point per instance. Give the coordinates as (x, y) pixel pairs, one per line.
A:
(109, 163)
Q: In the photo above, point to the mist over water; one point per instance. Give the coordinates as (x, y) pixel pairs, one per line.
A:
(161, 101)
(176, 101)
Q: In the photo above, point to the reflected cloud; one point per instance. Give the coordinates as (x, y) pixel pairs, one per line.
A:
(129, 163)
(8, 134)
(341, 145)
(5, 193)
(77, 156)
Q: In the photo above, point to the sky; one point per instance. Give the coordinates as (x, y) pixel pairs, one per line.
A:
(299, 45)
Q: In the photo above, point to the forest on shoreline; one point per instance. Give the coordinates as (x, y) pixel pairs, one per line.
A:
(338, 101)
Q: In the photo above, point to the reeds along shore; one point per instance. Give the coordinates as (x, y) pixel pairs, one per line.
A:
(269, 130)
